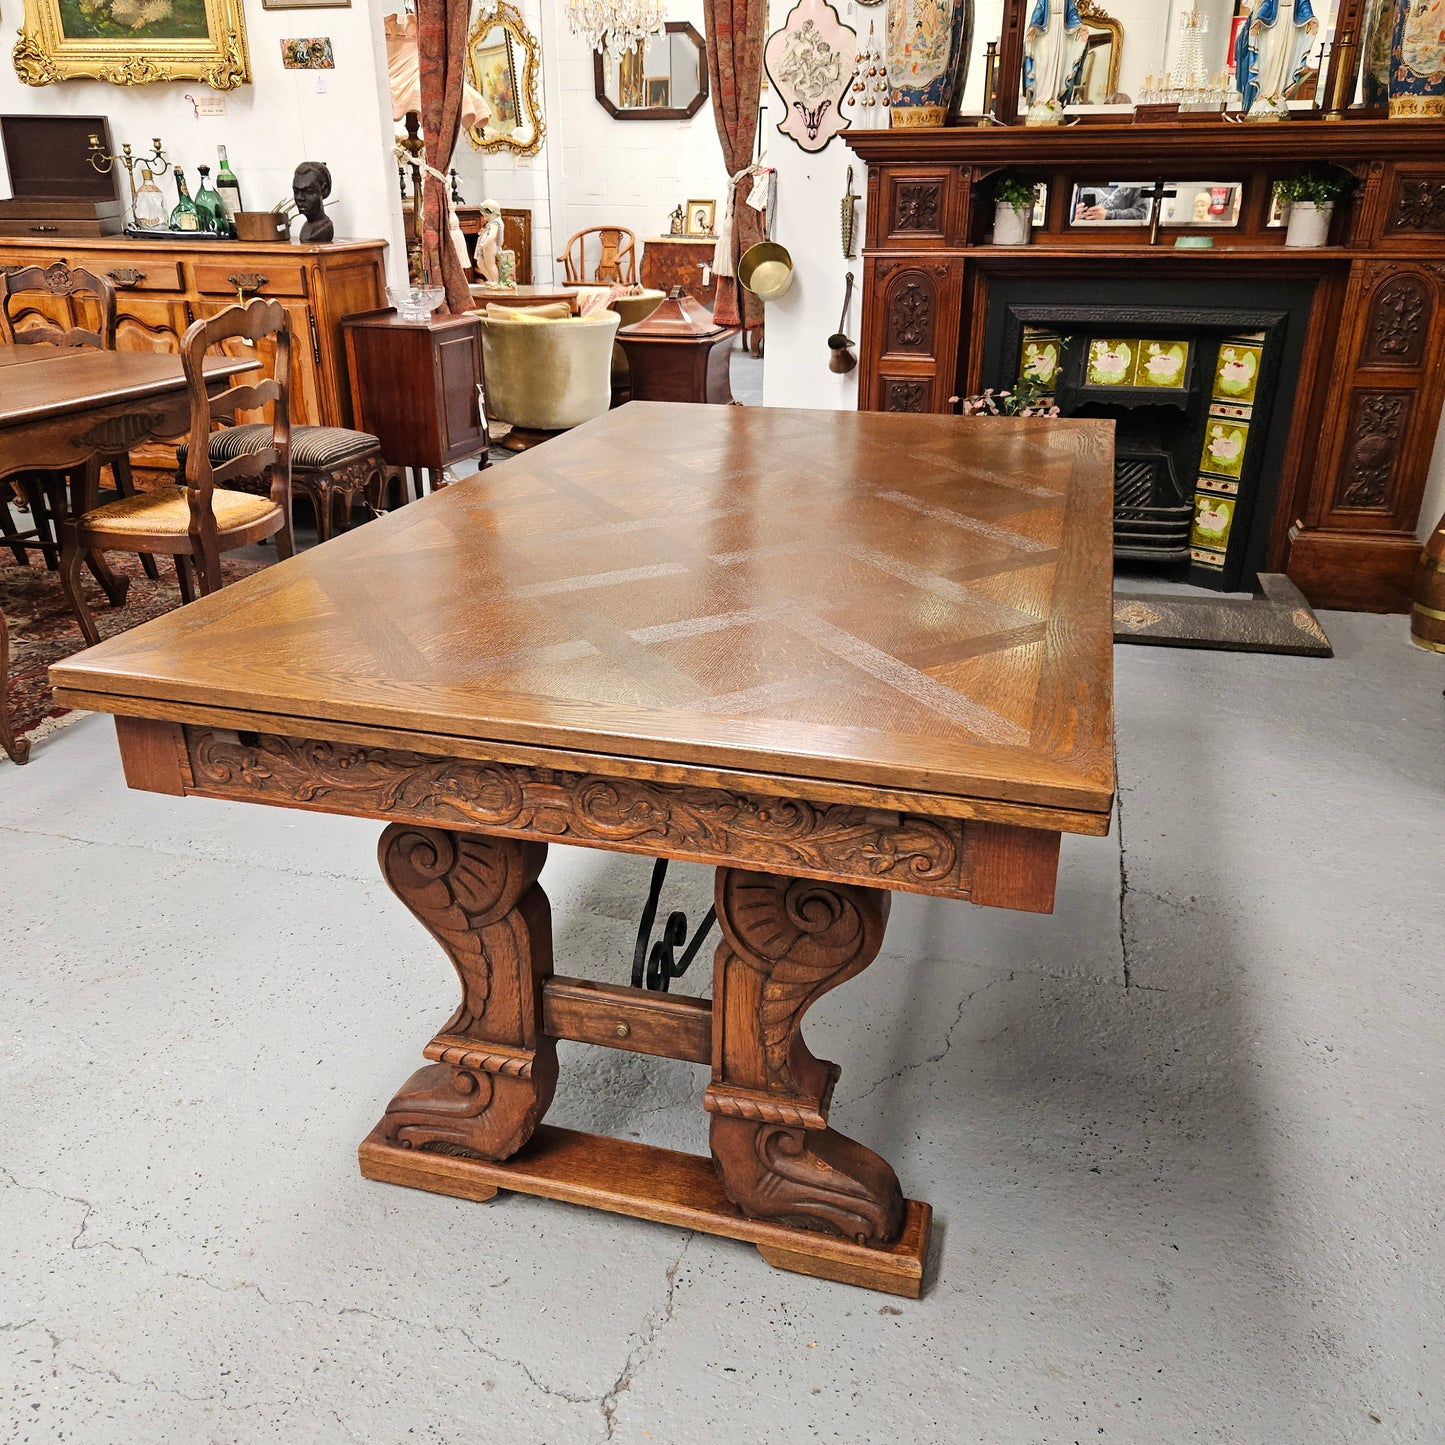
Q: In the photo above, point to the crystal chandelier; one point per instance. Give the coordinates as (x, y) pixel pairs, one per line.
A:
(616, 26)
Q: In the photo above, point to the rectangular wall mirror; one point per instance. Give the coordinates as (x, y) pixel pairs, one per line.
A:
(1110, 203)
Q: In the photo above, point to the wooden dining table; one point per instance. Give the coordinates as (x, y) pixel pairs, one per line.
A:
(486, 293)
(832, 654)
(68, 408)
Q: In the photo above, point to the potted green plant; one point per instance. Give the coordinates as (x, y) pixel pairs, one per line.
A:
(1028, 398)
(1311, 194)
(1013, 208)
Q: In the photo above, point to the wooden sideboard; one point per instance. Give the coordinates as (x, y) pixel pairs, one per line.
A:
(163, 286)
(1370, 384)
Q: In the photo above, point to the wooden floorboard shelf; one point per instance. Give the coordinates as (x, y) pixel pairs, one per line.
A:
(624, 1177)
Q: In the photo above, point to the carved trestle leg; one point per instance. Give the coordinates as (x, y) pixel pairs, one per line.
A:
(495, 1071)
(786, 942)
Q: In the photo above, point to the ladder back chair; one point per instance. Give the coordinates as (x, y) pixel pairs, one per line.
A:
(45, 491)
(197, 521)
(617, 262)
(333, 465)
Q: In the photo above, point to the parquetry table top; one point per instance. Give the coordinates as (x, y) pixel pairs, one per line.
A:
(914, 605)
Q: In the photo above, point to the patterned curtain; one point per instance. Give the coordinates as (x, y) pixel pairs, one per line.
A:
(442, 45)
(736, 30)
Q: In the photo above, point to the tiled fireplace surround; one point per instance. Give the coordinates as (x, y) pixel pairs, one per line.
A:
(1341, 480)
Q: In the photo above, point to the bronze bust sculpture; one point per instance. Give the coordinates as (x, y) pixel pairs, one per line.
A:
(310, 186)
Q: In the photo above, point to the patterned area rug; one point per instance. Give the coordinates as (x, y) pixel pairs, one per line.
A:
(43, 629)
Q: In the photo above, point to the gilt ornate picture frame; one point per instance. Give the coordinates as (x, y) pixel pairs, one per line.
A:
(133, 42)
(502, 69)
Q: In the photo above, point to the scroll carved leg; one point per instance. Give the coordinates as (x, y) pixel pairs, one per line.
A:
(494, 1071)
(786, 942)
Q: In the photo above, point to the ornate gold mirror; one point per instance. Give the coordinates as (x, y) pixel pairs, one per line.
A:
(1098, 73)
(1072, 54)
(502, 68)
(665, 78)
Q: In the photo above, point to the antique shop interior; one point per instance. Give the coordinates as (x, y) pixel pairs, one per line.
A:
(922, 513)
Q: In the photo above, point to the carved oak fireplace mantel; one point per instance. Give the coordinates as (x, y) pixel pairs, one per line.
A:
(1370, 384)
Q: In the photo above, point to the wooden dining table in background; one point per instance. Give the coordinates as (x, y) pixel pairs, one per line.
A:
(68, 408)
(833, 654)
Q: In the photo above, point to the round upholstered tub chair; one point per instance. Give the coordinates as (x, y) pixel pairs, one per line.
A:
(546, 373)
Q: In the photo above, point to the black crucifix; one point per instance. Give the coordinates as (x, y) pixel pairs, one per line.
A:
(1159, 193)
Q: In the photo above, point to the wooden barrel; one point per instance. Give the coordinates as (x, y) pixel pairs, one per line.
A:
(1427, 614)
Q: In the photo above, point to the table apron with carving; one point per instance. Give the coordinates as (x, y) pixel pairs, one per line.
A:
(70, 441)
(802, 899)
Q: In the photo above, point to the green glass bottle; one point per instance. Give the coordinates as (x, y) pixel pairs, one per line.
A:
(229, 188)
(184, 217)
(208, 205)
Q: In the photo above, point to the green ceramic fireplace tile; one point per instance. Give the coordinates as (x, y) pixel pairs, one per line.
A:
(1040, 360)
(1213, 517)
(1111, 362)
(1236, 373)
(1162, 364)
(1225, 443)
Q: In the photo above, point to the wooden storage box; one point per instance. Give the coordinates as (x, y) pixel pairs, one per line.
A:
(55, 191)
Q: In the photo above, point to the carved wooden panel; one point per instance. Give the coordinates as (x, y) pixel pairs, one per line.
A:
(918, 206)
(876, 848)
(1379, 421)
(905, 395)
(1399, 323)
(1419, 206)
(910, 309)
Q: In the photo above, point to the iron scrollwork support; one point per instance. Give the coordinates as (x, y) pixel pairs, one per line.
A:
(657, 966)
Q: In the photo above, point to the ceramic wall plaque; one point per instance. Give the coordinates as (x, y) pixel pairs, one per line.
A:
(810, 64)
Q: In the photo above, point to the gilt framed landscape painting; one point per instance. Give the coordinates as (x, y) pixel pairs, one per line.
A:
(133, 42)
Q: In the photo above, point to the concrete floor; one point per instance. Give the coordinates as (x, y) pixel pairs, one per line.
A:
(1182, 1137)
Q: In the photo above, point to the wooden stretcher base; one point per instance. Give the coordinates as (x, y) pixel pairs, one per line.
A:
(625, 1177)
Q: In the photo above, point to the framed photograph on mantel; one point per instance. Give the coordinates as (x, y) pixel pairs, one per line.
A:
(133, 42)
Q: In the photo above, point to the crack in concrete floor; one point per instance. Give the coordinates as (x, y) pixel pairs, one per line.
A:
(640, 1341)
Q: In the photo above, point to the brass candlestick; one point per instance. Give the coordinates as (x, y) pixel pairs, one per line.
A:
(156, 163)
(1343, 72)
(990, 77)
(414, 147)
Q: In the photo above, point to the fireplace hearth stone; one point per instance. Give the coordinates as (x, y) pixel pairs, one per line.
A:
(1279, 620)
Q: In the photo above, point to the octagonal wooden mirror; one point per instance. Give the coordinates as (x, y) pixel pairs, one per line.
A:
(664, 79)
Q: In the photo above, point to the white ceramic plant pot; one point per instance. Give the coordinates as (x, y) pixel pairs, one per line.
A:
(1012, 225)
(1309, 223)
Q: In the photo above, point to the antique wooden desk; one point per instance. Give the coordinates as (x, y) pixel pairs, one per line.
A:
(831, 653)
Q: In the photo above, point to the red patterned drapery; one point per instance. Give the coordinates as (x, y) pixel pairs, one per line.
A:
(442, 45)
(736, 30)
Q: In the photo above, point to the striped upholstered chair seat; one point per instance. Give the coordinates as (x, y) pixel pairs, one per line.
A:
(331, 464)
(318, 447)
